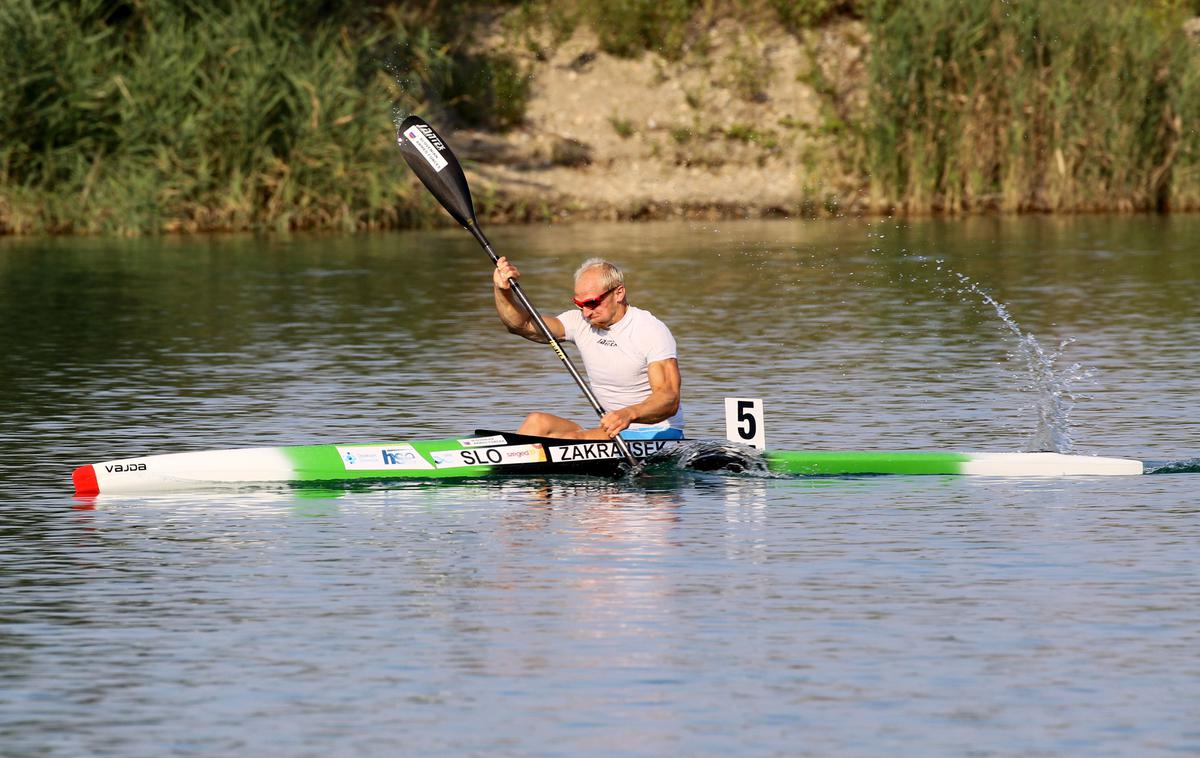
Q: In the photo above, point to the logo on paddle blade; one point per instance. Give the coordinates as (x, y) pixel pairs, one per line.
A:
(423, 138)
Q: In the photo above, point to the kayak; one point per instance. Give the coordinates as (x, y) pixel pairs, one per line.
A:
(489, 453)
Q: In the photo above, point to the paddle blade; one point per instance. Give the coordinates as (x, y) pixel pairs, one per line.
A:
(431, 160)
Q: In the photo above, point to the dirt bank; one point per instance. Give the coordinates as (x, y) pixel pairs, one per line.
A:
(743, 125)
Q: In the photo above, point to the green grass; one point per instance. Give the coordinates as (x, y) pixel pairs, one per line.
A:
(750, 73)
(622, 126)
(749, 134)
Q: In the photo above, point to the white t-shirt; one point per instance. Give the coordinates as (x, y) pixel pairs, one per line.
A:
(617, 358)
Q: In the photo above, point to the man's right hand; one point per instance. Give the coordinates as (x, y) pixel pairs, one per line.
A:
(503, 272)
(512, 311)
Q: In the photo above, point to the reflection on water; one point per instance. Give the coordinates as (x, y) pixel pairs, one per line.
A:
(666, 614)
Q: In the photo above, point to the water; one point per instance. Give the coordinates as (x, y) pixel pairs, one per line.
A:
(680, 613)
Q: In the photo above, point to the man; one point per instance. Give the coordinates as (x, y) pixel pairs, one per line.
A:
(628, 353)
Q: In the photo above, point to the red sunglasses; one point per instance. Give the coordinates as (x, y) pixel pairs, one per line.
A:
(595, 301)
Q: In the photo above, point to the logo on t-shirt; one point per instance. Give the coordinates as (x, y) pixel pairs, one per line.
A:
(607, 343)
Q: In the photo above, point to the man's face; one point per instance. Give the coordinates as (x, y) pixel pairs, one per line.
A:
(599, 307)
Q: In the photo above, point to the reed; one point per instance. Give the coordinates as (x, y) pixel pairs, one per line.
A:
(1045, 105)
(193, 116)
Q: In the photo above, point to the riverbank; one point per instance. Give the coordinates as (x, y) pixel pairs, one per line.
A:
(855, 116)
(160, 119)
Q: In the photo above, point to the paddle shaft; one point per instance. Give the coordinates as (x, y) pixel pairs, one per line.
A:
(545, 330)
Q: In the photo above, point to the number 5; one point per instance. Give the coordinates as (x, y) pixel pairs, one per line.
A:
(744, 422)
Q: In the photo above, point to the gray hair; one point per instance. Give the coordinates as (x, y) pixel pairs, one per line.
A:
(610, 276)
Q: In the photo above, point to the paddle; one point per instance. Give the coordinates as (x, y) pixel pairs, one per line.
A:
(428, 155)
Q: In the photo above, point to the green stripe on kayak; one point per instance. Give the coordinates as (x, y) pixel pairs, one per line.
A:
(316, 463)
(837, 463)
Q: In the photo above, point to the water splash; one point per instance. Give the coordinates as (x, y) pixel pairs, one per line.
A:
(720, 456)
(1051, 385)
(1185, 466)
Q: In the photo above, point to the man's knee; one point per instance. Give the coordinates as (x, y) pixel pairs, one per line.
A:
(541, 424)
(538, 423)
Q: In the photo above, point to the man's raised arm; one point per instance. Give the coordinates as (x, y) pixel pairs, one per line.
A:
(516, 319)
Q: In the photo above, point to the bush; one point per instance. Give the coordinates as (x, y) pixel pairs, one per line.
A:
(629, 27)
(796, 15)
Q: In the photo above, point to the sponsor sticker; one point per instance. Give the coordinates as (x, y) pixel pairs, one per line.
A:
(592, 451)
(496, 439)
(490, 456)
(646, 448)
(595, 451)
(381, 457)
(425, 148)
